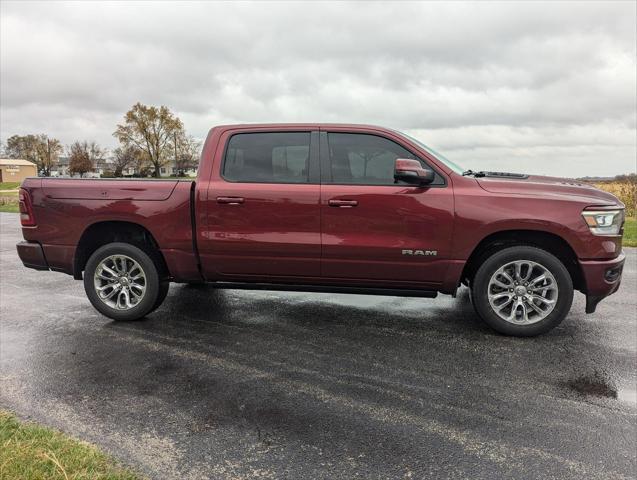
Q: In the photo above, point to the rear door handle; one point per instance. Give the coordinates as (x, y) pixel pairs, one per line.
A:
(342, 203)
(230, 200)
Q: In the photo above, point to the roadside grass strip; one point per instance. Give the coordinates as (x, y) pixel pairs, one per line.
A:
(29, 452)
(630, 232)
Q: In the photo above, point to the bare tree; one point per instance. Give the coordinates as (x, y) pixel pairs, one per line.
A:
(186, 151)
(152, 131)
(125, 158)
(49, 150)
(96, 153)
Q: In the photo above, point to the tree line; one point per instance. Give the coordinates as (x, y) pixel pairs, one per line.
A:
(149, 138)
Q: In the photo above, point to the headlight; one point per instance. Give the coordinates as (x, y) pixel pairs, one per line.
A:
(604, 222)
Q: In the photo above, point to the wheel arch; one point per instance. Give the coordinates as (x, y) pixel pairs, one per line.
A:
(550, 242)
(105, 232)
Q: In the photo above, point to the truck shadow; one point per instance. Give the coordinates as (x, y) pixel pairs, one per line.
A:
(205, 303)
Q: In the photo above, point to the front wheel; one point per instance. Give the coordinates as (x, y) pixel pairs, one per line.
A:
(522, 291)
(122, 282)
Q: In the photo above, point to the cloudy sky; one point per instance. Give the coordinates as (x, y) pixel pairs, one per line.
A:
(534, 87)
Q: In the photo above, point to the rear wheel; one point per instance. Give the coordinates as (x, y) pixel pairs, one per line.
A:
(122, 282)
(522, 291)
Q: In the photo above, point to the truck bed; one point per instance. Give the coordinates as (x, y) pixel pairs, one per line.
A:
(67, 210)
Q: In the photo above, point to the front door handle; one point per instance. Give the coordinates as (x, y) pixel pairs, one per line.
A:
(230, 200)
(342, 203)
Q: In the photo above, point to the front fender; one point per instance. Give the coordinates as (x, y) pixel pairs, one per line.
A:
(478, 218)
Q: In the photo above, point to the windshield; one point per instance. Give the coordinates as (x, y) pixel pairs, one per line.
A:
(453, 166)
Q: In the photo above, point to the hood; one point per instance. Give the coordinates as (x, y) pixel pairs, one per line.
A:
(545, 187)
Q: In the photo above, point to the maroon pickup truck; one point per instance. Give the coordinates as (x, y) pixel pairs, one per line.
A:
(331, 208)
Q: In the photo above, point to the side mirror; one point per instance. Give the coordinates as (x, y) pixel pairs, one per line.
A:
(411, 171)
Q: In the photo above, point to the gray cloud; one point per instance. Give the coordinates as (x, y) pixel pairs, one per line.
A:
(540, 87)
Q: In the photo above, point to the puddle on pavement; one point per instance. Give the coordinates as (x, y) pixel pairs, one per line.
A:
(598, 386)
(593, 385)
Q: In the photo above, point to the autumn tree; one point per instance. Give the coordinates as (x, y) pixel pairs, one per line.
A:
(83, 157)
(125, 158)
(152, 130)
(39, 149)
(22, 146)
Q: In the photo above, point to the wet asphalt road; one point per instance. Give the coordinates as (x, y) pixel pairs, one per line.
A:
(236, 384)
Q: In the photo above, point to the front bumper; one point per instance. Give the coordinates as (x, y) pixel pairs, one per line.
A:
(32, 255)
(601, 278)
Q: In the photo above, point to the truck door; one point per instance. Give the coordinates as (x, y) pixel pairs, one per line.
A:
(262, 208)
(373, 229)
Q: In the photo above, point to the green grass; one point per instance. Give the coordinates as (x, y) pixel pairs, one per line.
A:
(29, 452)
(630, 232)
(9, 185)
(9, 203)
(10, 208)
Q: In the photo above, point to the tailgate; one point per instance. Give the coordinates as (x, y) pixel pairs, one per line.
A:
(106, 189)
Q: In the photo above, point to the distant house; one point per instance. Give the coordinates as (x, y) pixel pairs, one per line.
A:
(104, 166)
(16, 169)
(171, 169)
(107, 166)
(61, 168)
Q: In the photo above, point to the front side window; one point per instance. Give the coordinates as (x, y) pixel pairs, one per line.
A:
(278, 157)
(363, 159)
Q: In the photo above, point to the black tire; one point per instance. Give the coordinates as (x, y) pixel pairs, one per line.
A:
(151, 298)
(480, 290)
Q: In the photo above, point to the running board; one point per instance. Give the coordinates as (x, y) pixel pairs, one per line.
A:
(281, 287)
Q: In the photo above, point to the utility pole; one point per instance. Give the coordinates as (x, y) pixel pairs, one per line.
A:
(47, 168)
(175, 144)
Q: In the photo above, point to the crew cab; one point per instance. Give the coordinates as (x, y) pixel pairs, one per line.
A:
(331, 208)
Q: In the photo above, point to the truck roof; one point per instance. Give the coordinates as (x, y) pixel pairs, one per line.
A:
(301, 125)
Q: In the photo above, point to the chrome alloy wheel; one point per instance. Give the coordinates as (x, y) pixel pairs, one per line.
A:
(522, 292)
(120, 282)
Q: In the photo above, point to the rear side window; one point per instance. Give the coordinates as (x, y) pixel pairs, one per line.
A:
(363, 159)
(278, 157)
